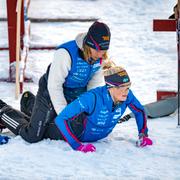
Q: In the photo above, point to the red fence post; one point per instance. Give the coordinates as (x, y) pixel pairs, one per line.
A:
(12, 19)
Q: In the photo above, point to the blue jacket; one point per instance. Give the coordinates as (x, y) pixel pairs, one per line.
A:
(81, 71)
(101, 116)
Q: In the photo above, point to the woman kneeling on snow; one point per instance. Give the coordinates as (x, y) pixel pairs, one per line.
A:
(90, 117)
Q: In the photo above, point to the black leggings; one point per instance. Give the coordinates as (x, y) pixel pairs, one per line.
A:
(37, 121)
(34, 128)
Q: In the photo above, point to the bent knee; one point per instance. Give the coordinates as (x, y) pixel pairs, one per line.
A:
(31, 140)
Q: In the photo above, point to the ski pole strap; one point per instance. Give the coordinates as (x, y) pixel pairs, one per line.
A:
(4, 139)
(125, 118)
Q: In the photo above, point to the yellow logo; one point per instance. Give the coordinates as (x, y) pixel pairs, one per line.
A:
(105, 38)
(122, 73)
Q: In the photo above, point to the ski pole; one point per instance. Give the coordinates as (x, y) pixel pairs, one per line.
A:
(125, 118)
(178, 51)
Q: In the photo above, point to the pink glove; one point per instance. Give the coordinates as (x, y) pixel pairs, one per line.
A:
(144, 141)
(86, 148)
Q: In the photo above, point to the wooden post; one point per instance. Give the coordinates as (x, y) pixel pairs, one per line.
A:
(12, 28)
(18, 42)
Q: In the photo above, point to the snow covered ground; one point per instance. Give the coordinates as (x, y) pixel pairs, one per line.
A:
(151, 60)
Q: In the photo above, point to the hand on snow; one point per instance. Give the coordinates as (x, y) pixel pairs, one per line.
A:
(86, 148)
(143, 141)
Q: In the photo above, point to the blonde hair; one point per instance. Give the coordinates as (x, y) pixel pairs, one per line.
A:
(107, 63)
(87, 52)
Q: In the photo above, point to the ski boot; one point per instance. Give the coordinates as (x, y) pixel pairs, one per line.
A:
(2, 105)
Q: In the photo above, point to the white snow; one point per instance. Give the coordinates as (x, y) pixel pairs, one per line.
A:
(151, 60)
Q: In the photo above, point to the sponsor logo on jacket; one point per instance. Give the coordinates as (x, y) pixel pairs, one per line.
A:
(118, 113)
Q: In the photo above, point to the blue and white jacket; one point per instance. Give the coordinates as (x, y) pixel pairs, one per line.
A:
(101, 118)
(81, 71)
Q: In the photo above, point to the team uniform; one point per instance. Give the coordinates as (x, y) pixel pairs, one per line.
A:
(99, 116)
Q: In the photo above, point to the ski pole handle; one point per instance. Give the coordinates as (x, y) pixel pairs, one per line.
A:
(125, 118)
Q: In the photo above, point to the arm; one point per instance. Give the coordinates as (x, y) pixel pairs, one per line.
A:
(85, 103)
(141, 121)
(139, 113)
(97, 80)
(58, 72)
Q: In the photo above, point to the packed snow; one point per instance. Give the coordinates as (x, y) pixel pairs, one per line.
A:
(151, 61)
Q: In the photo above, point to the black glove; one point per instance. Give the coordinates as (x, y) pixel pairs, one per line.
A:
(125, 118)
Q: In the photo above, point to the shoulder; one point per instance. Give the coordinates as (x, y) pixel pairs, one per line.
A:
(133, 100)
(92, 95)
(61, 61)
(99, 90)
(79, 40)
(61, 52)
(62, 55)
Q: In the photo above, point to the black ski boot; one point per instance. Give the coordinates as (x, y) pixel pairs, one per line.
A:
(27, 103)
(2, 106)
